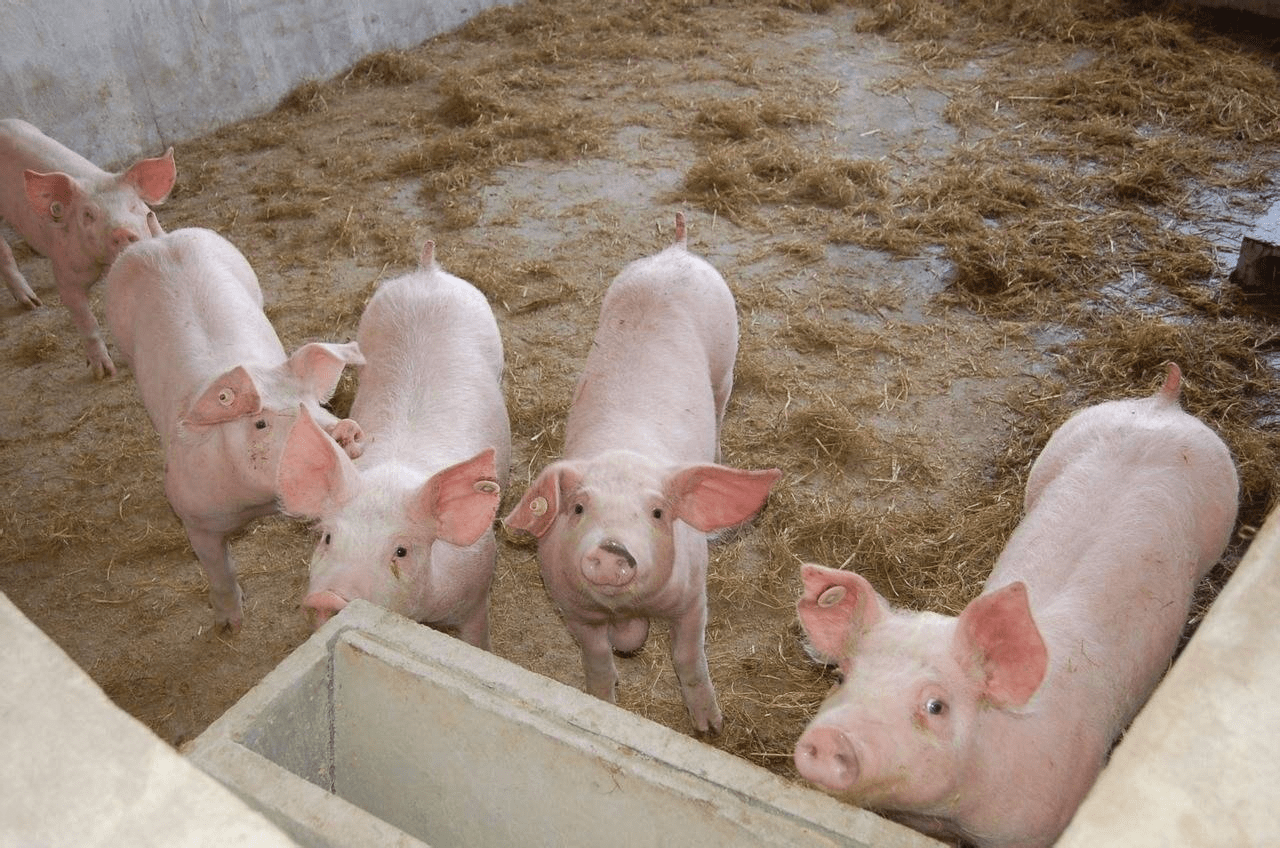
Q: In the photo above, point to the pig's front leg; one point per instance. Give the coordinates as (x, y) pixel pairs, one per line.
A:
(74, 291)
(13, 279)
(597, 659)
(689, 657)
(474, 629)
(224, 592)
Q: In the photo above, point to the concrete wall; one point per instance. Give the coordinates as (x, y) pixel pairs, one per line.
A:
(1200, 765)
(118, 79)
(75, 769)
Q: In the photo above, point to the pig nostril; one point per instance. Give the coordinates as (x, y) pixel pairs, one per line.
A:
(619, 550)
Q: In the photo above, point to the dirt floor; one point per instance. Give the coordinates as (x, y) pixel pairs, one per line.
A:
(946, 229)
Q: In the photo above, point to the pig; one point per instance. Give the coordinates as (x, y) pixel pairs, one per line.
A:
(78, 215)
(621, 519)
(185, 309)
(409, 526)
(992, 726)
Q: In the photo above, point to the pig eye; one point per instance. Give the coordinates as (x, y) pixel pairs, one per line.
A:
(326, 538)
(261, 423)
(578, 509)
(657, 513)
(935, 706)
(402, 552)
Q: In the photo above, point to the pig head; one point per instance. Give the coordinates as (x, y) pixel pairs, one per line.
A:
(391, 537)
(78, 215)
(621, 539)
(922, 695)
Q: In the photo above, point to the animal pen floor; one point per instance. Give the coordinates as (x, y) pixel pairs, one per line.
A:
(947, 226)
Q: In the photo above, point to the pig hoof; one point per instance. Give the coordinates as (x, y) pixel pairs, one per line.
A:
(712, 730)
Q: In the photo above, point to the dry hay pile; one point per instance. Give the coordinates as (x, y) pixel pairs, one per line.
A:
(917, 315)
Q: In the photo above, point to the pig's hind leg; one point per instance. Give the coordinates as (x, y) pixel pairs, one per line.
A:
(224, 592)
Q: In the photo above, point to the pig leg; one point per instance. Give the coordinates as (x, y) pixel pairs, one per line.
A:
(224, 592)
(13, 278)
(74, 291)
(689, 656)
(597, 659)
(720, 391)
(474, 629)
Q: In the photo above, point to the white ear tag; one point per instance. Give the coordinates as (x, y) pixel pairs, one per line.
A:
(226, 397)
(538, 506)
(831, 596)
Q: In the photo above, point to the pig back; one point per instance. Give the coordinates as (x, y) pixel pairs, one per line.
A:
(430, 390)
(185, 307)
(664, 349)
(1134, 503)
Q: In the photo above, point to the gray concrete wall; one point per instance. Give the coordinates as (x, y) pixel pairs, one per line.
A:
(118, 79)
(75, 769)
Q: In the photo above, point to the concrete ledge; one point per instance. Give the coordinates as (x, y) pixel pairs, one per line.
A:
(77, 770)
(1200, 765)
(453, 746)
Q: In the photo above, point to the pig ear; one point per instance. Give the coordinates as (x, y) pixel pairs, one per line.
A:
(537, 510)
(153, 179)
(228, 397)
(460, 500)
(50, 194)
(315, 474)
(836, 608)
(711, 497)
(319, 366)
(998, 638)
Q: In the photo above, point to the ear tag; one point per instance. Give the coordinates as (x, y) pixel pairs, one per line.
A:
(538, 506)
(55, 210)
(487, 487)
(831, 596)
(226, 397)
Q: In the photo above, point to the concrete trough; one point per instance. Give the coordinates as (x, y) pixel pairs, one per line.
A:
(381, 731)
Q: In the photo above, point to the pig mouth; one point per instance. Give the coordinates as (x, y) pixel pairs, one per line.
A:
(609, 566)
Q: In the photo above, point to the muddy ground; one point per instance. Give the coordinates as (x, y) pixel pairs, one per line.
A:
(901, 384)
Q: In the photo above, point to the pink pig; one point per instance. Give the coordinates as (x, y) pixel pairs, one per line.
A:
(75, 213)
(992, 726)
(186, 311)
(410, 525)
(621, 519)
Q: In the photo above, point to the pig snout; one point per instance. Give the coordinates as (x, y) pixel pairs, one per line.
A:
(609, 565)
(826, 756)
(326, 605)
(119, 239)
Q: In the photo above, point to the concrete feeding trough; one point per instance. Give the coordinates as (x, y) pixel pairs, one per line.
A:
(381, 731)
